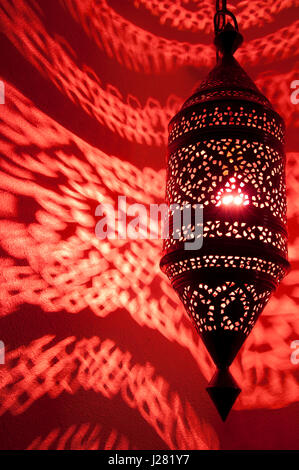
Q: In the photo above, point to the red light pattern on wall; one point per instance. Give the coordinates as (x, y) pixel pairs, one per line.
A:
(81, 437)
(194, 15)
(143, 124)
(108, 371)
(146, 52)
(56, 276)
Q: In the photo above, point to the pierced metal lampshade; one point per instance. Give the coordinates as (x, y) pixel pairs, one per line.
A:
(226, 153)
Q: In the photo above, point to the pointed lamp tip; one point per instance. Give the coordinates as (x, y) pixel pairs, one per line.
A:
(223, 391)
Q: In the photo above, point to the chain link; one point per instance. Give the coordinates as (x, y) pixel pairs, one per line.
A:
(220, 18)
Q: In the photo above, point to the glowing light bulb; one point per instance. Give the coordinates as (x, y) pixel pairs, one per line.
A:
(231, 194)
(238, 200)
(227, 200)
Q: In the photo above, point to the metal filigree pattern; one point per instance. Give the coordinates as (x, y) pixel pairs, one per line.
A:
(226, 153)
(221, 305)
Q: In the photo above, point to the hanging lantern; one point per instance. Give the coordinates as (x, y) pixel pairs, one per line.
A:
(226, 152)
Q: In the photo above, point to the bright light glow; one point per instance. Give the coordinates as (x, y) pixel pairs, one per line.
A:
(232, 194)
(238, 200)
(227, 200)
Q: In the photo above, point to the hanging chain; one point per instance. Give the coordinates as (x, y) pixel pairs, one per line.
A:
(220, 18)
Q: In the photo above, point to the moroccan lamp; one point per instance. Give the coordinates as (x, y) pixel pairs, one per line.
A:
(226, 152)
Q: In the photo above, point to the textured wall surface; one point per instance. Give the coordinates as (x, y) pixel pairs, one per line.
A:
(99, 352)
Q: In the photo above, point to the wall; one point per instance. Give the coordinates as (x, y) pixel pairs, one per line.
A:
(99, 353)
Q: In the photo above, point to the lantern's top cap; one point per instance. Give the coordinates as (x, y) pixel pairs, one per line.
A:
(228, 74)
(228, 40)
(227, 80)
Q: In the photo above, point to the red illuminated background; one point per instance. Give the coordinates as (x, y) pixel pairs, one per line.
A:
(99, 352)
